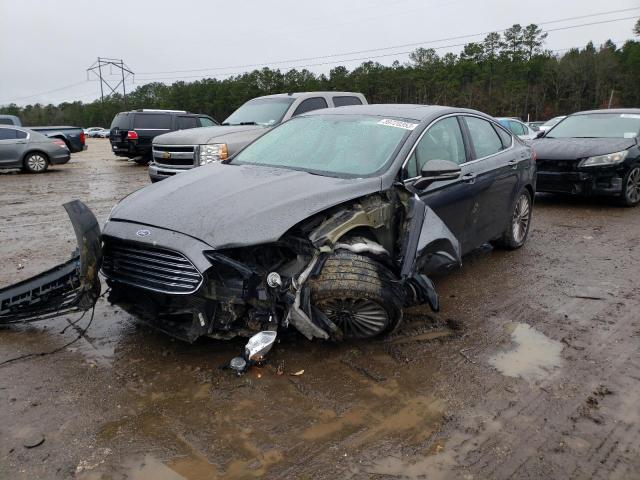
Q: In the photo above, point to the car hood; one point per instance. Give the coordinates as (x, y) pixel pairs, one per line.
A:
(202, 135)
(238, 205)
(578, 148)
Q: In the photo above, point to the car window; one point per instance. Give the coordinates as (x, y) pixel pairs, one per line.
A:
(315, 103)
(187, 122)
(121, 121)
(5, 121)
(505, 136)
(346, 100)
(20, 134)
(484, 137)
(152, 121)
(443, 141)
(207, 122)
(517, 128)
(7, 134)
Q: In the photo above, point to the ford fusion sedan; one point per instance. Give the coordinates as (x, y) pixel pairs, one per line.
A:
(592, 153)
(30, 151)
(330, 223)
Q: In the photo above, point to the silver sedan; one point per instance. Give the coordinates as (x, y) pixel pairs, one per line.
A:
(29, 150)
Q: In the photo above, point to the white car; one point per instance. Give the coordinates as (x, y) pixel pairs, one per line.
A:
(518, 128)
(545, 127)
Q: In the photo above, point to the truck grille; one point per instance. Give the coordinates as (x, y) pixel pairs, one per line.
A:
(175, 155)
(150, 268)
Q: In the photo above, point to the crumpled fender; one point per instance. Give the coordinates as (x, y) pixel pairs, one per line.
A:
(73, 285)
(429, 248)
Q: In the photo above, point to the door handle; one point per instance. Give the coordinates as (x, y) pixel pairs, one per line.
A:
(514, 163)
(469, 178)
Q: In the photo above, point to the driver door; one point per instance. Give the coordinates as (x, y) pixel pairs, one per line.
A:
(451, 200)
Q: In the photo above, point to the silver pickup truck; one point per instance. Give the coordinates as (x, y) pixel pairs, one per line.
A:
(176, 152)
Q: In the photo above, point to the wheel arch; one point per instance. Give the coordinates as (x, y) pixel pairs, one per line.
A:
(35, 150)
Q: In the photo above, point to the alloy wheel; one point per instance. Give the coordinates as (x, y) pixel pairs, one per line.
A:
(633, 186)
(36, 163)
(521, 218)
(356, 317)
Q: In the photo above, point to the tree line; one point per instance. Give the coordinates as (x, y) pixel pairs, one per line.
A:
(506, 74)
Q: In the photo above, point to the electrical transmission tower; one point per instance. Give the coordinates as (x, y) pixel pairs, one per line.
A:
(98, 70)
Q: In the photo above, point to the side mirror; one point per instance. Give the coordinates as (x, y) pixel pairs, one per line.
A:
(540, 134)
(436, 171)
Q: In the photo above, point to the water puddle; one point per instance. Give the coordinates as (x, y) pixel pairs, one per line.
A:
(535, 357)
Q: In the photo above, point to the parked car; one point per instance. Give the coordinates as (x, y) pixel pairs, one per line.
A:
(102, 133)
(176, 152)
(90, 132)
(10, 120)
(330, 223)
(132, 132)
(518, 128)
(549, 124)
(31, 151)
(73, 137)
(592, 153)
(535, 126)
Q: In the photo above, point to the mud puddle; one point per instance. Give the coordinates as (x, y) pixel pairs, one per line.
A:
(535, 357)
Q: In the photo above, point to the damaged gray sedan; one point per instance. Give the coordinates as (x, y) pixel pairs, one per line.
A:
(332, 223)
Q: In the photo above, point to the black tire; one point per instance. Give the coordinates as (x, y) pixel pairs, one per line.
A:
(357, 293)
(142, 160)
(517, 229)
(631, 188)
(35, 162)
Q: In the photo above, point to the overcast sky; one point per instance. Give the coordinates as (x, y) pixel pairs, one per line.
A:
(48, 45)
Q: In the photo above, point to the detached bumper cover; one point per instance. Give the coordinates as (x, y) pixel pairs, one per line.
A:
(74, 285)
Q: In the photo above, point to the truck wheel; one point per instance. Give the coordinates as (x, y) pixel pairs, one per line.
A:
(517, 230)
(36, 162)
(358, 294)
(631, 188)
(142, 160)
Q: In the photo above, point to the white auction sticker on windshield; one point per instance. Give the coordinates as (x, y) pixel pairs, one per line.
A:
(630, 115)
(398, 124)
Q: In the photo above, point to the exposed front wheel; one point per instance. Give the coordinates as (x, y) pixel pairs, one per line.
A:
(36, 162)
(358, 294)
(516, 232)
(631, 188)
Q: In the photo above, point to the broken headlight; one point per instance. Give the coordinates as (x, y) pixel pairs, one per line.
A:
(213, 152)
(603, 160)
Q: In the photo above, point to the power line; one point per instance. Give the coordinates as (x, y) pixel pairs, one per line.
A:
(345, 60)
(358, 52)
(43, 93)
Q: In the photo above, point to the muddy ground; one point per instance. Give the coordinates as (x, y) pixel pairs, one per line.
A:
(539, 376)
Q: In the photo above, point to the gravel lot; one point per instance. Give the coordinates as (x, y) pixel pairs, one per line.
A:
(531, 370)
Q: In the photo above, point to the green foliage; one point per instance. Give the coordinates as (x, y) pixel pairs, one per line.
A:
(506, 74)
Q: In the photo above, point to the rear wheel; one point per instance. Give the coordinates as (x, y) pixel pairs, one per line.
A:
(358, 294)
(516, 232)
(36, 162)
(631, 188)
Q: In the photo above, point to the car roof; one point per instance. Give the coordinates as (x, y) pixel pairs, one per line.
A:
(310, 94)
(406, 111)
(610, 110)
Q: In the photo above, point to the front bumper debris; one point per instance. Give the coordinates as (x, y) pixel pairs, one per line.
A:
(74, 285)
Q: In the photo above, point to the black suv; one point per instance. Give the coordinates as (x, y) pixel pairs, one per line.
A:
(132, 132)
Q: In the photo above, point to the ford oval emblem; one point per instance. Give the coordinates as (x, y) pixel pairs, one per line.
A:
(143, 233)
